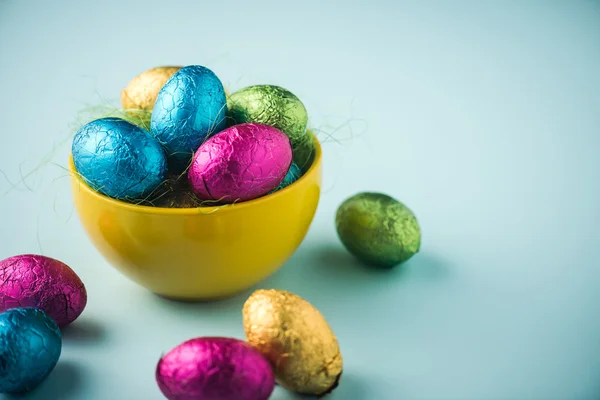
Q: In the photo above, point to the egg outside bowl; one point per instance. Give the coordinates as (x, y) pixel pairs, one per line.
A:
(207, 253)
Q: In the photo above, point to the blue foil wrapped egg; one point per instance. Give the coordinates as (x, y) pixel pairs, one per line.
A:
(189, 108)
(30, 346)
(293, 174)
(118, 159)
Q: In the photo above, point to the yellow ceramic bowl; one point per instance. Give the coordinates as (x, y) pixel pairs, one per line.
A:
(200, 253)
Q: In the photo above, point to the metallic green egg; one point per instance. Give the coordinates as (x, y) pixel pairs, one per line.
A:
(278, 107)
(378, 229)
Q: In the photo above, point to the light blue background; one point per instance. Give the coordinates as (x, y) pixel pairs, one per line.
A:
(483, 117)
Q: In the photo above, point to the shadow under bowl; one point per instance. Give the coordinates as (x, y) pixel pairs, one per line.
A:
(199, 254)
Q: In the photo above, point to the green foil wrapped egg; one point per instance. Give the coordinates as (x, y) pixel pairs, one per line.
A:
(378, 229)
(278, 107)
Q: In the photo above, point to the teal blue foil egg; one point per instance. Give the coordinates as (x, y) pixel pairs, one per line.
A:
(293, 174)
(30, 346)
(189, 108)
(118, 159)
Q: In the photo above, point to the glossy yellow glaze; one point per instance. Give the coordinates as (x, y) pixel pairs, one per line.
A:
(203, 253)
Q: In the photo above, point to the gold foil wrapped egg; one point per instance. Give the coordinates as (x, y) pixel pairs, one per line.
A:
(139, 95)
(297, 340)
(141, 92)
(278, 107)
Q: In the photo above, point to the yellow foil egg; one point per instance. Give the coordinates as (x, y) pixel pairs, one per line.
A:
(140, 93)
(297, 340)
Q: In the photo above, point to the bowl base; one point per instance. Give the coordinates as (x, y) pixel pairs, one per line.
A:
(199, 299)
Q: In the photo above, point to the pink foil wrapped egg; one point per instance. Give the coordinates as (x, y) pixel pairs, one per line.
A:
(241, 163)
(42, 282)
(215, 368)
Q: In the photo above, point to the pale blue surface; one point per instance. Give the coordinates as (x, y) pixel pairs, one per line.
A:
(483, 118)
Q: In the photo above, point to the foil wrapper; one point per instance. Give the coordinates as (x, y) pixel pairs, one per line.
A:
(215, 368)
(118, 159)
(189, 108)
(296, 338)
(378, 229)
(293, 174)
(280, 108)
(241, 163)
(141, 92)
(30, 346)
(41, 282)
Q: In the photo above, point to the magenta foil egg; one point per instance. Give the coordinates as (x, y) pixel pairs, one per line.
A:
(215, 368)
(42, 282)
(241, 163)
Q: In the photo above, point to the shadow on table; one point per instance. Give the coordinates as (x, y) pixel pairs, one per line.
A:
(84, 331)
(325, 273)
(336, 261)
(216, 311)
(329, 272)
(352, 387)
(64, 383)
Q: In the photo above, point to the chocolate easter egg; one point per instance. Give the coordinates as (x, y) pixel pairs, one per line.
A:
(280, 108)
(118, 159)
(297, 340)
(189, 108)
(139, 96)
(240, 163)
(378, 229)
(215, 368)
(31, 280)
(292, 176)
(30, 346)
(141, 92)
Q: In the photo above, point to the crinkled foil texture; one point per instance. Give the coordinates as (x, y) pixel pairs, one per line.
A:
(378, 229)
(118, 159)
(30, 346)
(296, 338)
(213, 368)
(30, 280)
(278, 107)
(141, 92)
(241, 163)
(189, 108)
(293, 174)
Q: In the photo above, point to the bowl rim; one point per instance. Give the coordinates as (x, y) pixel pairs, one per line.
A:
(195, 210)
